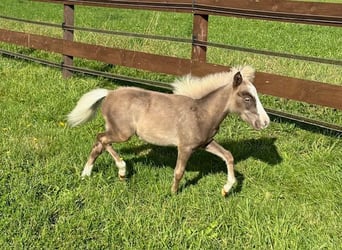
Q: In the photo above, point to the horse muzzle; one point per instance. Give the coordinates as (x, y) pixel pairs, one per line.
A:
(257, 121)
(262, 122)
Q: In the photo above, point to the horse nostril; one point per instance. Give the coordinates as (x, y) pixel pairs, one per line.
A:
(258, 125)
(261, 124)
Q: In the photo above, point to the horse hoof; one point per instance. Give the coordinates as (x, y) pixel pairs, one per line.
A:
(223, 192)
(84, 176)
(122, 177)
(174, 191)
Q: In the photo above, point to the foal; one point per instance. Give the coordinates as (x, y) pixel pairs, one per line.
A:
(187, 119)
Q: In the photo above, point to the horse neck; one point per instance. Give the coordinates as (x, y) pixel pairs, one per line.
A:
(217, 102)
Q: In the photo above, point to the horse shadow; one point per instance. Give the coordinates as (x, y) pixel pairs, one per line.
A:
(263, 149)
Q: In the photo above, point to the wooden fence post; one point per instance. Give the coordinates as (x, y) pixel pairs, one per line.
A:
(199, 33)
(68, 34)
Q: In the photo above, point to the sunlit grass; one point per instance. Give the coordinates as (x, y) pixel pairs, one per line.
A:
(287, 196)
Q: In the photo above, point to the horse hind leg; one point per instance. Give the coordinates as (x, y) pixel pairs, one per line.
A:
(119, 162)
(95, 152)
(120, 135)
(103, 142)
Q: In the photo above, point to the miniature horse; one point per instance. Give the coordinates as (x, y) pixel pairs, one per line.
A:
(188, 119)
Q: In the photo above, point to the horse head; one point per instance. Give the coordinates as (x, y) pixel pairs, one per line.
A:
(245, 101)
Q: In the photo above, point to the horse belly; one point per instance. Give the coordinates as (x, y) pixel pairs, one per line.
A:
(158, 132)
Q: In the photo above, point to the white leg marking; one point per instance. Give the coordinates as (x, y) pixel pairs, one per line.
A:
(231, 180)
(230, 183)
(87, 170)
(122, 168)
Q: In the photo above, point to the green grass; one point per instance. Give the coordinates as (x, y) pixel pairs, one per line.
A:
(288, 194)
(290, 178)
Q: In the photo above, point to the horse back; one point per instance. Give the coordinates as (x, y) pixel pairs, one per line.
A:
(151, 115)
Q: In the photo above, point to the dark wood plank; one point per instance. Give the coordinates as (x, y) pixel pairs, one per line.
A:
(51, 44)
(128, 58)
(17, 38)
(300, 90)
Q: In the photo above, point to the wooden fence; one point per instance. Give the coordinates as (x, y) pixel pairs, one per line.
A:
(329, 14)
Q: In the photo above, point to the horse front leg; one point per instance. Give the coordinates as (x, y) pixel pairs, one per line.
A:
(216, 149)
(182, 159)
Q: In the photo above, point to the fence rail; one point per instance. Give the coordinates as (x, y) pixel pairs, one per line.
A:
(270, 84)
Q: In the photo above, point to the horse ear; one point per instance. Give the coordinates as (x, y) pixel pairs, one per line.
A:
(237, 79)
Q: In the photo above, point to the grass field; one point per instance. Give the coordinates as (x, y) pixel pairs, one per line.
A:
(290, 177)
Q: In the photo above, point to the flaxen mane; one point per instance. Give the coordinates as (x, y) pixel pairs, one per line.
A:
(197, 87)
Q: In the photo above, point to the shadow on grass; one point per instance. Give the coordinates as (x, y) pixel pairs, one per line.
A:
(204, 163)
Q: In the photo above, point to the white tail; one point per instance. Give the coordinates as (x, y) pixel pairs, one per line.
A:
(86, 107)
